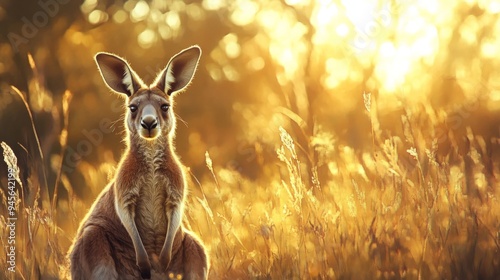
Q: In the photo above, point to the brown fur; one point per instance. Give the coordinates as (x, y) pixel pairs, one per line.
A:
(134, 229)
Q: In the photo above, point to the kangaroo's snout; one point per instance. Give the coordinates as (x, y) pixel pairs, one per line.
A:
(149, 121)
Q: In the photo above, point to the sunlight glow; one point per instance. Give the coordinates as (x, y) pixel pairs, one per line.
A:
(294, 2)
(366, 16)
(468, 30)
(393, 66)
(342, 30)
(336, 70)
(494, 7)
(489, 48)
(326, 13)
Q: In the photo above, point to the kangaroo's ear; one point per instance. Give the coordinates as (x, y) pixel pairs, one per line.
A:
(117, 74)
(179, 71)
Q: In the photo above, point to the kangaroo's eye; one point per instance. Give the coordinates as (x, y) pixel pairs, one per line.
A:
(165, 107)
(132, 108)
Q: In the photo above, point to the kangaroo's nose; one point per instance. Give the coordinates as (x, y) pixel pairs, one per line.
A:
(149, 122)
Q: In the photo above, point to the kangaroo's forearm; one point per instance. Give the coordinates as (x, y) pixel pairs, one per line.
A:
(174, 218)
(126, 214)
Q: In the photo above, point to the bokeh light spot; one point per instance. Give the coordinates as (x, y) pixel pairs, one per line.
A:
(120, 16)
(97, 16)
(213, 4)
(140, 11)
(147, 38)
(173, 20)
(245, 12)
(231, 45)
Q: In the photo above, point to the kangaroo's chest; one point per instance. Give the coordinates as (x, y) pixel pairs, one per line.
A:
(150, 212)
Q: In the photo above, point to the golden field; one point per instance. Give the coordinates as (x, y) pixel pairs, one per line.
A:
(320, 140)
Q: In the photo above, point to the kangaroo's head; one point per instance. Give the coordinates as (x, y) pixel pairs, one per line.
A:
(149, 113)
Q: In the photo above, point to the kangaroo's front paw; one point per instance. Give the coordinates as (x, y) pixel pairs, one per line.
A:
(165, 258)
(145, 269)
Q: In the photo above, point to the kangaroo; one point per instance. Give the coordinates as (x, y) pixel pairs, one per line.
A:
(134, 229)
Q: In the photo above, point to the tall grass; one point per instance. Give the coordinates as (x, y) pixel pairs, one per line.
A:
(402, 208)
